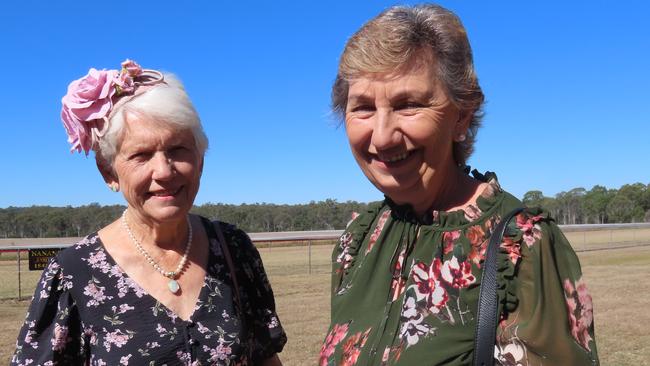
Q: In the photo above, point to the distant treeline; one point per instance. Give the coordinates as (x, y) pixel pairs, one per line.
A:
(47, 221)
(630, 203)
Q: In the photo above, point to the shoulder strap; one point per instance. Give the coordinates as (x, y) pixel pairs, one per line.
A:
(215, 230)
(486, 324)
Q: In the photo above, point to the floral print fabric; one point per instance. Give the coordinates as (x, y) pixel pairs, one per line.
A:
(86, 310)
(405, 288)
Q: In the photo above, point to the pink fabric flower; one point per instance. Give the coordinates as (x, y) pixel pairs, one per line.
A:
(124, 81)
(88, 100)
(132, 67)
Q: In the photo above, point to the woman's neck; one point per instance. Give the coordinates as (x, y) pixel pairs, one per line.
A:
(166, 235)
(457, 191)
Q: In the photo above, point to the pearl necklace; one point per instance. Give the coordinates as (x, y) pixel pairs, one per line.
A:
(172, 275)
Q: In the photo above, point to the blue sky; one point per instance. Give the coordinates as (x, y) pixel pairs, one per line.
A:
(566, 85)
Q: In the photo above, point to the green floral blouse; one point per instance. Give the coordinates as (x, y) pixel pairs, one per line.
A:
(405, 288)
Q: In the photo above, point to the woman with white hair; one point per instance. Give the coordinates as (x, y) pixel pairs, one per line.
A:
(158, 285)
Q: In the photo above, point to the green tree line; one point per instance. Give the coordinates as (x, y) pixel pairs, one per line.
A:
(599, 205)
(47, 221)
(629, 203)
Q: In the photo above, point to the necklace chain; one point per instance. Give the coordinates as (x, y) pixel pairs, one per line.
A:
(169, 274)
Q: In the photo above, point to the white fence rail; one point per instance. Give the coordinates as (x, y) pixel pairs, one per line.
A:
(288, 236)
(600, 227)
(582, 237)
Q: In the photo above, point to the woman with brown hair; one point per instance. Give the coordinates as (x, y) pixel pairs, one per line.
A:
(407, 275)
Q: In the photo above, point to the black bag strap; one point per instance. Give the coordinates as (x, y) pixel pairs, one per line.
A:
(215, 231)
(488, 301)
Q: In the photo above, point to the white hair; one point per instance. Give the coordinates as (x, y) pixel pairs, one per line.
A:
(167, 103)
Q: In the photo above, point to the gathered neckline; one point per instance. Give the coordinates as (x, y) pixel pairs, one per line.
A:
(473, 212)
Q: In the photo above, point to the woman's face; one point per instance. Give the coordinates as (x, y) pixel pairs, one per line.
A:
(158, 169)
(401, 130)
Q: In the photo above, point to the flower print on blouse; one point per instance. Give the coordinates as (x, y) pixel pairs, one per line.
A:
(86, 310)
(405, 288)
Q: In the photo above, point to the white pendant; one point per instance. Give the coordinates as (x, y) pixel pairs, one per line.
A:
(173, 286)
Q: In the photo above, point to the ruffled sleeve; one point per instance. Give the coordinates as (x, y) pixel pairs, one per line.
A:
(347, 248)
(269, 337)
(51, 334)
(548, 311)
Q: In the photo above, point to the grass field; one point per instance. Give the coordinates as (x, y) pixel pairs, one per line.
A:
(616, 279)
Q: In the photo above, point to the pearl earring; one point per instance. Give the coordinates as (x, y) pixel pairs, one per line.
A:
(461, 138)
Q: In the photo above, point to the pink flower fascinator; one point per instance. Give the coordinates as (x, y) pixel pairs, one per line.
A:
(88, 105)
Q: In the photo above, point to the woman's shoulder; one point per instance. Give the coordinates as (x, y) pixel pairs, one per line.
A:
(60, 277)
(52, 324)
(346, 250)
(529, 233)
(72, 256)
(505, 203)
(528, 228)
(361, 220)
(528, 219)
(235, 238)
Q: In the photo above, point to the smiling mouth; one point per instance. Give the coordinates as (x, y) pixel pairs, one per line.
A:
(395, 158)
(166, 193)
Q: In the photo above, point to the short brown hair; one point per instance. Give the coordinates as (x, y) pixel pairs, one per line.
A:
(403, 34)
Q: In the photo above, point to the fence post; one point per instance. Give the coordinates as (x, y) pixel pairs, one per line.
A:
(309, 246)
(19, 282)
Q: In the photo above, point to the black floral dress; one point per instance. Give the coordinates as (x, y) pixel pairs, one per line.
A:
(87, 311)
